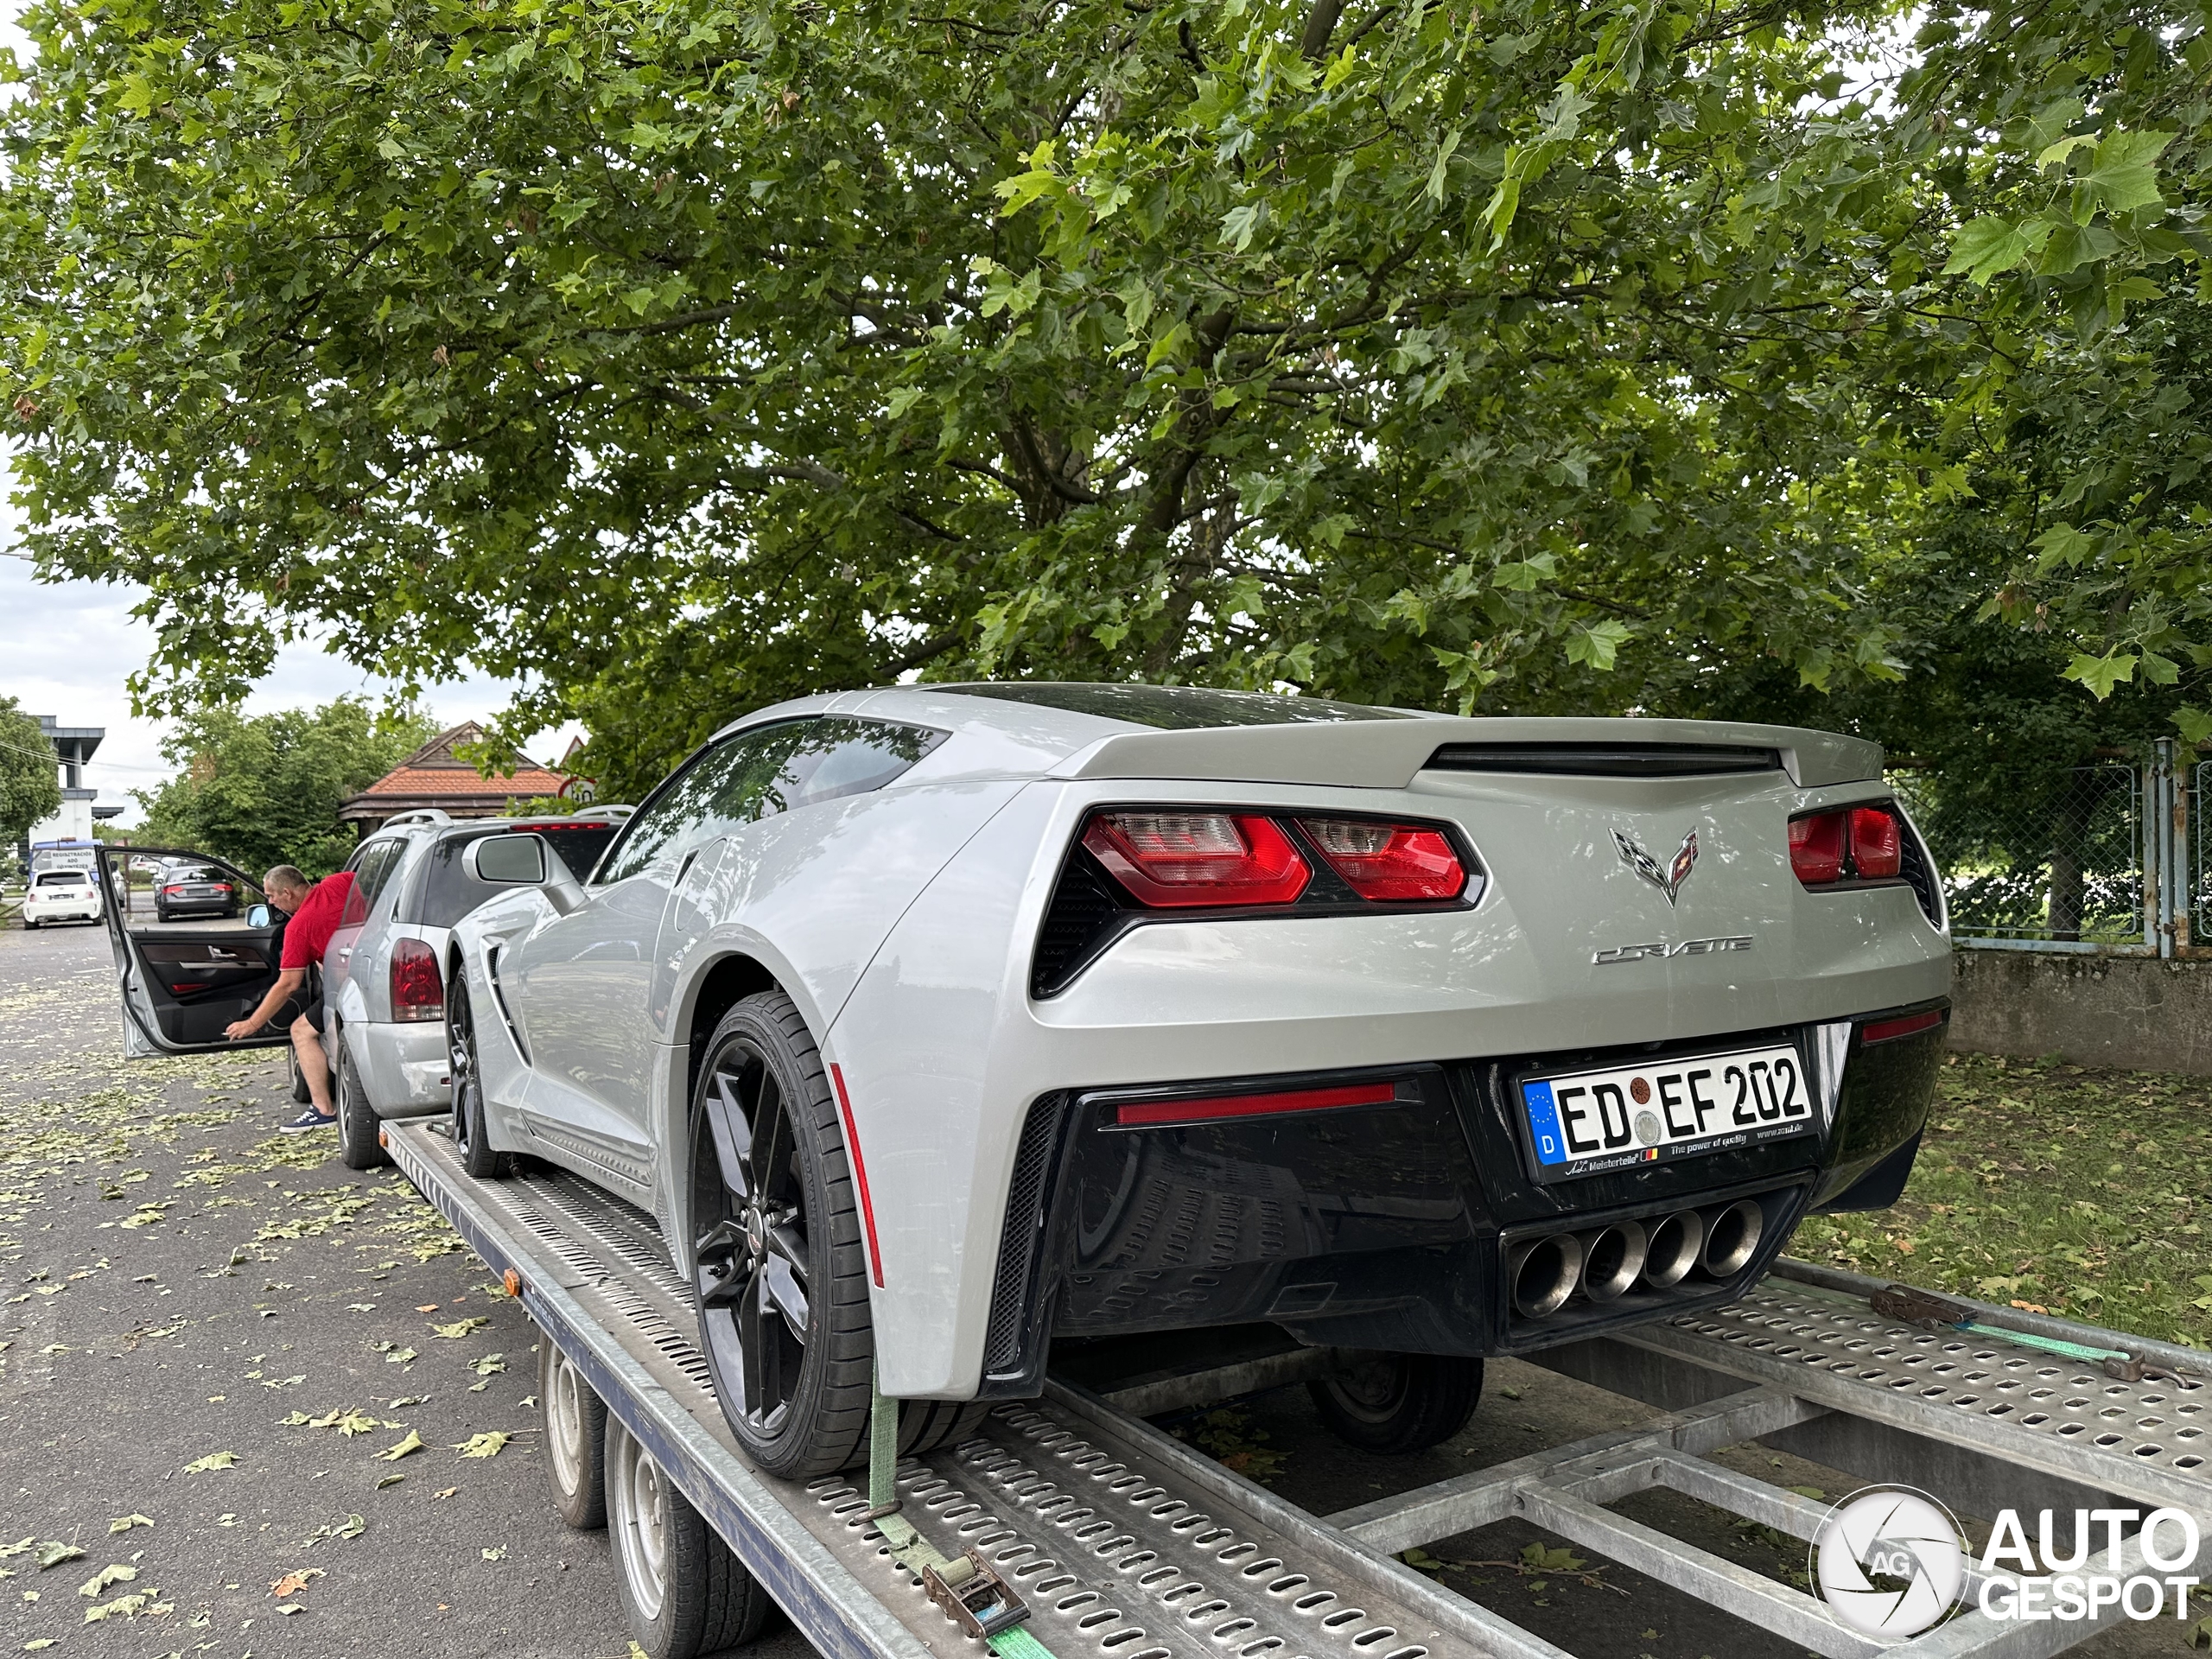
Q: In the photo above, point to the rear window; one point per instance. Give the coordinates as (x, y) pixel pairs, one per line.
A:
(191, 873)
(1173, 707)
(449, 892)
(65, 878)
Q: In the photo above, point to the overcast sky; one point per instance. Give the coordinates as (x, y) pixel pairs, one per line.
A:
(67, 648)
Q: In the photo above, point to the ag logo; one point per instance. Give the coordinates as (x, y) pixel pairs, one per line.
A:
(1890, 1561)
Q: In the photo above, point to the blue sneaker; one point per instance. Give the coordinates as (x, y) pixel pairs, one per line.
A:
(310, 1119)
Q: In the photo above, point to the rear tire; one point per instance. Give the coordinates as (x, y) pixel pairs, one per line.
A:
(358, 1146)
(302, 1095)
(778, 1274)
(1394, 1403)
(471, 1138)
(575, 1438)
(685, 1594)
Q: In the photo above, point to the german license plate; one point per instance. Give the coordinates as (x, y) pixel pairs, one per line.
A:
(1587, 1123)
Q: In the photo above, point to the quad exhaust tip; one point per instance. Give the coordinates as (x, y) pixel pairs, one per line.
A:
(1731, 1235)
(1545, 1273)
(1612, 1256)
(1673, 1248)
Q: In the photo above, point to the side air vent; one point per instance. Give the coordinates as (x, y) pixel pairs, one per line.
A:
(1605, 760)
(1084, 915)
(1920, 875)
(1013, 1292)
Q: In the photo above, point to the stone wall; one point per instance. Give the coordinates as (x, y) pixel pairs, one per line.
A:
(2133, 1012)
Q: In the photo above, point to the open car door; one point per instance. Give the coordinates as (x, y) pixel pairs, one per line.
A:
(182, 982)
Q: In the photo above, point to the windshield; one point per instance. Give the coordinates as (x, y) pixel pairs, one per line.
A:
(1173, 707)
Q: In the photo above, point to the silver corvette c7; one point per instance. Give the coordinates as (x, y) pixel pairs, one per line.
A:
(941, 1024)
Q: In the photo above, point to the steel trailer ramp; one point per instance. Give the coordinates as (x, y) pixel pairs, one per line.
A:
(1128, 1544)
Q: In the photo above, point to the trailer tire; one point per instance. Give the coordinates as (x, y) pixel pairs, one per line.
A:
(685, 1596)
(1399, 1402)
(358, 1146)
(575, 1438)
(472, 1138)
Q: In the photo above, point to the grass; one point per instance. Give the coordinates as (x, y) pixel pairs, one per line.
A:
(2052, 1187)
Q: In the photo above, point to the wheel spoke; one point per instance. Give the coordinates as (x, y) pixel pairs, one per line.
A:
(752, 1360)
(733, 1132)
(783, 1285)
(769, 1158)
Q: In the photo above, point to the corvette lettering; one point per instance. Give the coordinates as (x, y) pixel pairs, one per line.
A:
(1660, 950)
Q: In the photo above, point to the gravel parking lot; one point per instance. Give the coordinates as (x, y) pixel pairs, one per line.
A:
(212, 1340)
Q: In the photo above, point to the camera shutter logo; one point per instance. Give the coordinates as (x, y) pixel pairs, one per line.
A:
(1890, 1561)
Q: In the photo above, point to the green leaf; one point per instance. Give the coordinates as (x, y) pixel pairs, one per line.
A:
(2125, 174)
(2195, 726)
(1596, 644)
(1988, 246)
(2101, 673)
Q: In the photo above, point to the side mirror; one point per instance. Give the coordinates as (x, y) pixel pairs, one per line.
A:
(519, 860)
(260, 916)
(522, 860)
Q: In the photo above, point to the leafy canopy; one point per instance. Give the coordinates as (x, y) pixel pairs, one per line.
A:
(672, 356)
(30, 787)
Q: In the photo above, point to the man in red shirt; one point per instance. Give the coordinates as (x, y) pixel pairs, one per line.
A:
(316, 910)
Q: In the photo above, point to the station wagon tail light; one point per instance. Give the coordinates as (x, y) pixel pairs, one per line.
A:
(1864, 843)
(1183, 859)
(417, 993)
(1382, 862)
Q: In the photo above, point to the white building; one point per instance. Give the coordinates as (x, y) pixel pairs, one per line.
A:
(72, 747)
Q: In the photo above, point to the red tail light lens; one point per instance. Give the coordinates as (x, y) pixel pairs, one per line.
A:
(1865, 842)
(417, 992)
(1151, 1113)
(1877, 843)
(168, 893)
(1387, 862)
(1816, 847)
(1183, 859)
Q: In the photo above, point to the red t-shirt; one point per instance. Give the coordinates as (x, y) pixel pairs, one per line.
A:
(306, 936)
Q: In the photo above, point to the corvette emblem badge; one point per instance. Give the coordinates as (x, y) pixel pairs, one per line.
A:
(1668, 880)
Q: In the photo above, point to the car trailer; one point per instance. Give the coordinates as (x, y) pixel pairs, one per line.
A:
(1124, 1543)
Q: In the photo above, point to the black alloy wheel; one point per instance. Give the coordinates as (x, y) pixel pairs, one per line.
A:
(778, 1273)
(470, 1138)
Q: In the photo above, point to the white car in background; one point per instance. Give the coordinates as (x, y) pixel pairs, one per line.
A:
(942, 1025)
(62, 896)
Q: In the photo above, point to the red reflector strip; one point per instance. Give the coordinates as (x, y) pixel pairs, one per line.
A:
(1888, 1031)
(1144, 1114)
(860, 1174)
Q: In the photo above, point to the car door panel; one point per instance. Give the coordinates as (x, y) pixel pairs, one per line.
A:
(179, 988)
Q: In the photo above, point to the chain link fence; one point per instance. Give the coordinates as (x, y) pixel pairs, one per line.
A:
(2052, 858)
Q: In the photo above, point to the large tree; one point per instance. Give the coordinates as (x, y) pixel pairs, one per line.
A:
(29, 789)
(672, 356)
(264, 790)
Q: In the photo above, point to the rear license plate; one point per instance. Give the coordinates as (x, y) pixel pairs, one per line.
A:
(1587, 1123)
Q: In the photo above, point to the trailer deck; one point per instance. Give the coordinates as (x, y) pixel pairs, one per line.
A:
(1128, 1544)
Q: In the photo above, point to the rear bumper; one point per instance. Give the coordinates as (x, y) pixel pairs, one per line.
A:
(44, 913)
(402, 1065)
(1396, 1226)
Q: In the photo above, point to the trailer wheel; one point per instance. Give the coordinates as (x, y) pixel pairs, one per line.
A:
(470, 1137)
(575, 1438)
(1399, 1402)
(358, 1147)
(682, 1592)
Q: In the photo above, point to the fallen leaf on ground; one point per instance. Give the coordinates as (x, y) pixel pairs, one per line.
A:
(486, 1365)
(124, 1522)
(484, 1445)
(445, 1491)
(114, 1573)
(390, 1480)
(53, 1552)
(413, 1442)
(498, 1554)
(294, 1582)
(214, 1460)
(428, 1308)
(459, 1328)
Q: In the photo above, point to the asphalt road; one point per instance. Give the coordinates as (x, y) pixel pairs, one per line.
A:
(181, 1287)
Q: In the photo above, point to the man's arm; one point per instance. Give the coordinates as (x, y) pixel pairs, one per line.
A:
(288, 983)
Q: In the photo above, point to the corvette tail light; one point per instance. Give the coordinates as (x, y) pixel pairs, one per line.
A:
(1864, 843)
(1387, 862)
(1877, 843)
(417, 993)
(1183, 859)
(1816, 847)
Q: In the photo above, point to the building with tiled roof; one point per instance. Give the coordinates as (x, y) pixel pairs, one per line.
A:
(432, 777)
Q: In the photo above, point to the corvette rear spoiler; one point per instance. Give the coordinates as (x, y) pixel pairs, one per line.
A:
(1386, 753)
